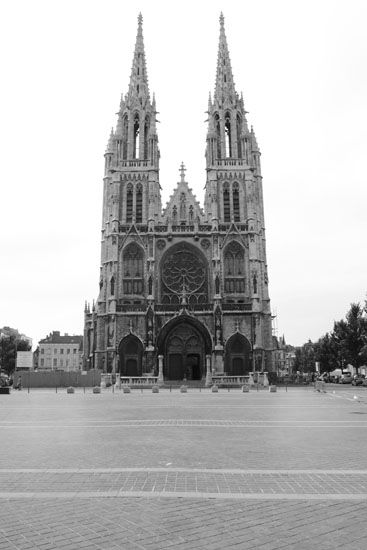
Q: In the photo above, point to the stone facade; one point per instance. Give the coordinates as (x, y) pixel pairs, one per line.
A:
(185, 283)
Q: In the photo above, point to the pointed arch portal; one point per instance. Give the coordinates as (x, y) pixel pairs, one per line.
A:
(184, 342)
(237, 361)
(130, 356)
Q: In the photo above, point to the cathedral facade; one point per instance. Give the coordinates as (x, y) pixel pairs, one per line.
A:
(183, 288)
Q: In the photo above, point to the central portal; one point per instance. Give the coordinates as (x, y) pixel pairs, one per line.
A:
(184, 353)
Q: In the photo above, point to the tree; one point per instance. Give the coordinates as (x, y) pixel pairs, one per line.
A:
(327, 353)
(351, 336)
(8, 348)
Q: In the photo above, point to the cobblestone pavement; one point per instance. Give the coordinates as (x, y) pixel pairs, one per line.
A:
(181, 471)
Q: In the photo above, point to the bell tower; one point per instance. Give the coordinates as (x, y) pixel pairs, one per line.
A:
(132, 192)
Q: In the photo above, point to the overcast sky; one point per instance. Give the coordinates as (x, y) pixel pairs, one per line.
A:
(302, 67)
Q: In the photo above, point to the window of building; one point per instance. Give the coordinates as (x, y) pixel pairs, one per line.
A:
(234, 269)
(236, 203)
(61, 351)
(55, 363)
(146, 135)
(129, 203)
(61, 363)
(74, 351)
(139, 203)
(133, 270)
(55, 350)
(136, 137)
(42, 351)
(227, 135)
(42, 362)
(68, 351)
(239, 145)
(226, 205)
(217, 131)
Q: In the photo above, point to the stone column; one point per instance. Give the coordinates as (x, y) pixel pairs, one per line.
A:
(208, 379)
(160, 371)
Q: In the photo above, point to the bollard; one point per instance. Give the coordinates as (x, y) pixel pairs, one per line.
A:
(84, 389)
(56, 389)
(286, 387)
(170, 388)
(113, 388)
(228, 388)
(141, 389)
(257, 386)
(199, 389)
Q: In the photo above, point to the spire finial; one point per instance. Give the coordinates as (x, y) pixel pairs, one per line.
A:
(221, 19)
(182, 172)
(224, 85)
(140, 19)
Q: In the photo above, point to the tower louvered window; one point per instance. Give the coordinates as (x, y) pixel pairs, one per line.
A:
(236, 203)
(129, 204)
(226, 206)
(139, 204)
(133, 266)
(234, 269)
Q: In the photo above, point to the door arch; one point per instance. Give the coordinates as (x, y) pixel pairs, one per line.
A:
(184, 353)
(237, 356)
(131, 355)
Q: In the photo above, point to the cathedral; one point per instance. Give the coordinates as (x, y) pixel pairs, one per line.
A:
(183, 289)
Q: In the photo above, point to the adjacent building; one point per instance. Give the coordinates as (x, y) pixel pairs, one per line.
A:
(184, 288)
(57, 352)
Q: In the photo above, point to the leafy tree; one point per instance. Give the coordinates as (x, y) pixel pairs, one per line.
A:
(351, 336)
(8, 348)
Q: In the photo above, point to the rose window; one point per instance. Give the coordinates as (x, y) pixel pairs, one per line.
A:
(184, 273)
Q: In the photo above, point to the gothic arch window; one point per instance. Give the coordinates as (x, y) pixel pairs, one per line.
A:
(139, 203)
(133, 270)
(136, 136)
(239, 146)
(146, 134)
(234, 269)
(227, 135)
(236, 202)
(124, 137)
(112, 286)
(226, 204)
(129, 203)
(130, 356)
(184, 273)
(217, 131)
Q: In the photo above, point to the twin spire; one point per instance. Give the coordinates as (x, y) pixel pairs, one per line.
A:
(224, 85)
(138, 86)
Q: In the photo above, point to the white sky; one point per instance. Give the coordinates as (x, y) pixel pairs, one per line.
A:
(302, 67)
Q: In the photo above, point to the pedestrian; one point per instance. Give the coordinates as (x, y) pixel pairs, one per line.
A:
(19, 383)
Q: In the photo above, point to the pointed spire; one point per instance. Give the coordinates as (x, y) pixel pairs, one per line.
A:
(224, 85)
(138, 86)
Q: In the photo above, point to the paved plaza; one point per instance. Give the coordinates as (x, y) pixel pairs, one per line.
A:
(199, 470)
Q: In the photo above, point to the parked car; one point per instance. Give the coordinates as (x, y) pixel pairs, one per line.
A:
(358, 380)
(346, 378)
